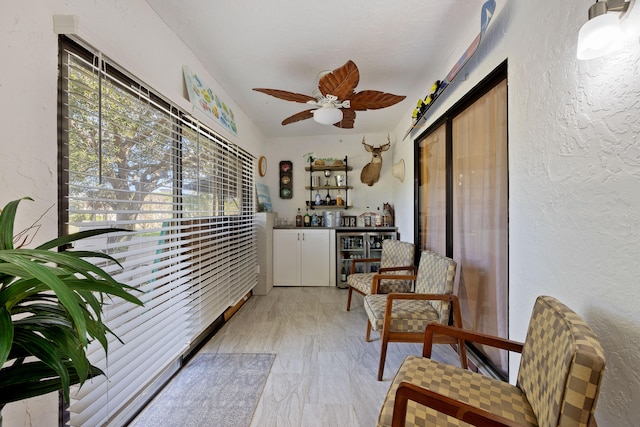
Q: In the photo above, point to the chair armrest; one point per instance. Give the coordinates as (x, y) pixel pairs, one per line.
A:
(412, 268)
(446, 405)
(375, 281)
(466, 335)
(354, 261)
(425, 297)
(412, 295)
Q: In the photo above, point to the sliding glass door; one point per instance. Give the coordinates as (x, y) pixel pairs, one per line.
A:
(463, 205)
(480, 221)
(432, 225)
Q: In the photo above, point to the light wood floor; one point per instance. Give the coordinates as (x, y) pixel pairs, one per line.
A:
(324, 373)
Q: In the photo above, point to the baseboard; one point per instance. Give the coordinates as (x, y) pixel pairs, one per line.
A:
(232, 310)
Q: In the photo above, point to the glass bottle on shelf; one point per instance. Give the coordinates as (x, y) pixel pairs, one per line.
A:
(386, 220)
(307, 219)
(318, 198)
(367, 218)
(378, 218)
(339, 201)
(299, 219)
(343, 273)
(327, 199)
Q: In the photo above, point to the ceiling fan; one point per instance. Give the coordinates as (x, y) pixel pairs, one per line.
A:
(335, 100)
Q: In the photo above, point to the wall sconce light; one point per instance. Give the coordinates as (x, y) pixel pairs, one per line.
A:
(602, 33)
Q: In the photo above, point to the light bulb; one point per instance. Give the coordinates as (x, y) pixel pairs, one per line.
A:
(327, 115)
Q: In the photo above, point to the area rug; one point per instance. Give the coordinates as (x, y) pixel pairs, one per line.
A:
(213, 389)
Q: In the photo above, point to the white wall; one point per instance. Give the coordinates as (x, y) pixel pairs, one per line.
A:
(337, 147)
(574, 181)
(127, 31)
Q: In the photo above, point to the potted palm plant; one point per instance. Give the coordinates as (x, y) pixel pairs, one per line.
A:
(50, 310)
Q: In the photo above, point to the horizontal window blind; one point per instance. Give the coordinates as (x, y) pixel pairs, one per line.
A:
(185, 194)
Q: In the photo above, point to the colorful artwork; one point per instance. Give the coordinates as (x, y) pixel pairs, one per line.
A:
(264, 199)
(206, 100)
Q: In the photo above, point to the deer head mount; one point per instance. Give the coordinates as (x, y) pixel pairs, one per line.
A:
(371, 172)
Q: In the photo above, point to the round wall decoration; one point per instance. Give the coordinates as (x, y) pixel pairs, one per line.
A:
(262, 166)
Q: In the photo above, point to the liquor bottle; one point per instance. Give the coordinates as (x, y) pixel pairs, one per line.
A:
(367, 218)
(327, 199)
(299, 219)
(339, 201)
(307, 219)
(387, 218)
(314, 220)
(378, 218)
(343, 274)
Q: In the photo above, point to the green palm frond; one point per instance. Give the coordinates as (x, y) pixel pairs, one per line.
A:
(51, 309)
(34, 379)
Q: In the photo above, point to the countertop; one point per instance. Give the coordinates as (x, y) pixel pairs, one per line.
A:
(338, 229)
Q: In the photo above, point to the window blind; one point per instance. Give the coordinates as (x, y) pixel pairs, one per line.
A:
(133, 161)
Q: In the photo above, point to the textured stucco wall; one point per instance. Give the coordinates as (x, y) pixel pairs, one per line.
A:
(574, 181)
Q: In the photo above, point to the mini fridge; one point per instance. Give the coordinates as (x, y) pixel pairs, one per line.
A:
(351, 245)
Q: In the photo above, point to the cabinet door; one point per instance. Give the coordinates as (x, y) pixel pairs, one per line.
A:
(314, 258)
(286, 257)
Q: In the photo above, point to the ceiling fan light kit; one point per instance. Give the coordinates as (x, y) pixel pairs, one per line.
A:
(335, 100)
(327, 115)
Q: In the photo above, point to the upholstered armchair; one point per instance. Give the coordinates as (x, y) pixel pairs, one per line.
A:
(403, 317)
(397, 258)
(558, 381)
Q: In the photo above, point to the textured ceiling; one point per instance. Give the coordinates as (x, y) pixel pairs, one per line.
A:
(399, 46)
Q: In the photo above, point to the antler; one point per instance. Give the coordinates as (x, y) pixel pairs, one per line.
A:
(386, 146)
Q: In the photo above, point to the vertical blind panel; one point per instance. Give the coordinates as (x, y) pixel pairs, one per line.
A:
(185, 197)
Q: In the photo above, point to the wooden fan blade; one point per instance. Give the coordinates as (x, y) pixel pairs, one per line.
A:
(287, 96)
(340, 82)
(373, 100)
(348, 119)
(302, 115)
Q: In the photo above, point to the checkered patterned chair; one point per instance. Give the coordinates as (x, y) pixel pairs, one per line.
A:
(397, 258)
(402, 317)
(558, 381)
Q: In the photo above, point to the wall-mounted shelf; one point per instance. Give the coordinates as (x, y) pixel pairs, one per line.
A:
(324, 206)
(329, 187)
(320, 175)
(318, 168)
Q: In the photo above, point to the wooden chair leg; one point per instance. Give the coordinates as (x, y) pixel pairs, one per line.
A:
(457, 321)
(349, 298)
(462, 351)
(383, 357)
(367, 337)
